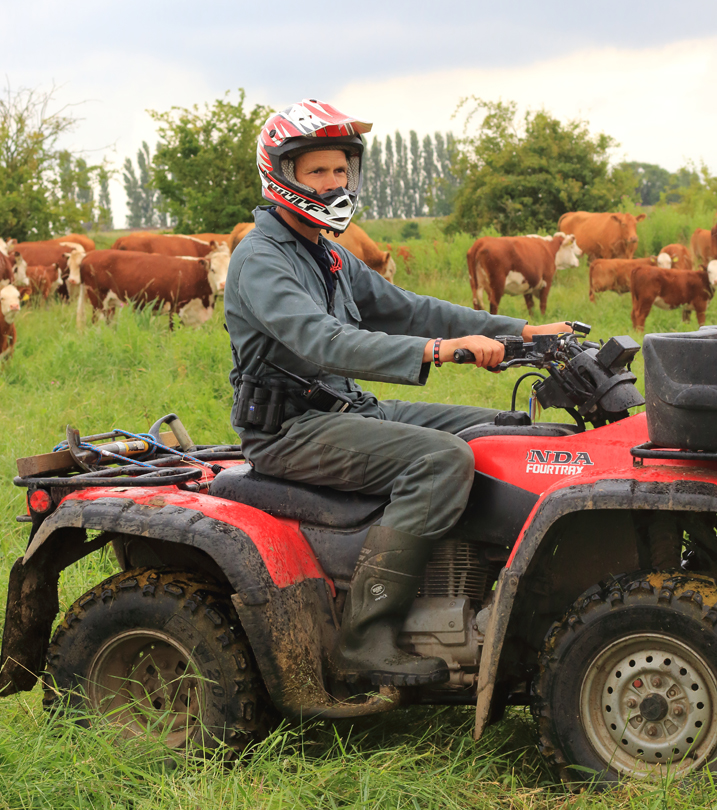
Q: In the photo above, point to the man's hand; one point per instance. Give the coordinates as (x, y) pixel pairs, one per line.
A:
(488, 352)
(545, 329)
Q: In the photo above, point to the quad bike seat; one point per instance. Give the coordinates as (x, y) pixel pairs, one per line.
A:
(549, 429)
(318, 505)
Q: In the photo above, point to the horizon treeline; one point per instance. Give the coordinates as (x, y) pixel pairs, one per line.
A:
(409, 177)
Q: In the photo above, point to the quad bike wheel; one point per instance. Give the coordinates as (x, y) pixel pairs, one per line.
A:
(163, 652)
(627, 682)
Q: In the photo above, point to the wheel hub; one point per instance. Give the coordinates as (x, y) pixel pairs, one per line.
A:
(144, 678)
(647, 701)
(654, 707)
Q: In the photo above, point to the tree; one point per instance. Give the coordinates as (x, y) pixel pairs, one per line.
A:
(381, 192)
(388, 175)
(44, 190)
(446, 183)
(520, 179)
(205, 164)
(651, 179)
(415, 149)
(427, 176)
(696, 192)
(145, 203)
(400, 178)
(104, 220)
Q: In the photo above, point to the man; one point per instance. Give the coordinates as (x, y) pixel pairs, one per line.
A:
(311, 307)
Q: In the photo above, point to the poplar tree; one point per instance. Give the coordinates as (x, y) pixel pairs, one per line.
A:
(401, 178)
(388, 175)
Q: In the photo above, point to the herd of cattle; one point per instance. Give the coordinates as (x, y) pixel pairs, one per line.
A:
(178, 275)
(526, 265)
(183, 275)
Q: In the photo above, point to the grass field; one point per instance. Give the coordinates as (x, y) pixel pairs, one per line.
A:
(134, 371)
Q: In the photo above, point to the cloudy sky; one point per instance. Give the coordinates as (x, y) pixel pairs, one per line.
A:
(644, 73)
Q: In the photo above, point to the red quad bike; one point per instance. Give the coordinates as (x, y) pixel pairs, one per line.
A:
(581, 579)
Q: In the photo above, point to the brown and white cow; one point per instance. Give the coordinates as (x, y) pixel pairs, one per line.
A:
(217, 262)
(225, 238)
(186, 286)
(614, 274)
(679, 257)
(358, 242)
(49, 251)
(12, 266)
(168, 244)
(603, 236)
(518, 265)
(9, 308)
(671, 289)
(79, 239)
(44, 281)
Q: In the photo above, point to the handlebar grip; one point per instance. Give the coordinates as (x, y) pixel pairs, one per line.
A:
(464, 356)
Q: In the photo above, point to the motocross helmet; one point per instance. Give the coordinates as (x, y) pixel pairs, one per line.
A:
(307, 126)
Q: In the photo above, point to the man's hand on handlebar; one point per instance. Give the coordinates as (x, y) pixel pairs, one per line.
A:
(488, 352)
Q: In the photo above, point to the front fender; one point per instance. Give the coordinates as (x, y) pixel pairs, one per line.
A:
(654, 488)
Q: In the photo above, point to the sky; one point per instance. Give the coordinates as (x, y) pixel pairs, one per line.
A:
(643, 73)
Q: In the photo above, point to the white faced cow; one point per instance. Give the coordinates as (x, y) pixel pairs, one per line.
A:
(518, 265)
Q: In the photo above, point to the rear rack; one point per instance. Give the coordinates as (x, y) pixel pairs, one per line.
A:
(649, 450)
(134, 475)
(129, 476)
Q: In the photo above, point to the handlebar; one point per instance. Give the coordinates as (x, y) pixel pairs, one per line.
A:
(541, 350)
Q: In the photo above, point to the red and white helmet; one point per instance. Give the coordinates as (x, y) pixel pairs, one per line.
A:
(307, 126)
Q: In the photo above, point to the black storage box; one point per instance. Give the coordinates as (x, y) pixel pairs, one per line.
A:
(681, 389)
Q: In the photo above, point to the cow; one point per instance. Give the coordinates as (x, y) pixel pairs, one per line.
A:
(217, 261)
(701, 244)
(48, 252)
(12, 266)
(614, 274)
(679, 257)
(226, 238)
(9, 308)
(44, 280)
(354, 239)
(186, 286)
(165, 244)
(79, 239)
(518, 265)
(7, 275)
(670, 289)
(358, 242)
(240, 230)
(603, 236)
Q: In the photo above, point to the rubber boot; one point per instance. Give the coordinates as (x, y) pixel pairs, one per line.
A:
(382, 591)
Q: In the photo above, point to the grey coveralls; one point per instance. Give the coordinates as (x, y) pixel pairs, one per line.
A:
(277, 305)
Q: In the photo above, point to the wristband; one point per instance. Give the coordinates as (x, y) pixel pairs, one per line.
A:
(437, 353)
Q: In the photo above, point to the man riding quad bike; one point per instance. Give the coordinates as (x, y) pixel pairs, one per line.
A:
(376, 554)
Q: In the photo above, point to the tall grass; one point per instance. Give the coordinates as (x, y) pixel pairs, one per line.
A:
(132, 372)
(666, 225)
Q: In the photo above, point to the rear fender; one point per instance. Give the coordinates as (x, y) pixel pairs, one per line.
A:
(547, 544)
(280, 591)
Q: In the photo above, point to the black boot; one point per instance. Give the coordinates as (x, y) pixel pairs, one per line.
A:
(382, 591)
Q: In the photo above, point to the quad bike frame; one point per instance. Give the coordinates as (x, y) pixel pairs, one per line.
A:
(566, 517)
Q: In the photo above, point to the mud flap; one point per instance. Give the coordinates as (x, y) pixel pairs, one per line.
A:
(32, 605)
